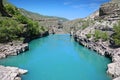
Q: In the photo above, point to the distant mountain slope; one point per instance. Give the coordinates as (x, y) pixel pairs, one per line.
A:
(37, 16)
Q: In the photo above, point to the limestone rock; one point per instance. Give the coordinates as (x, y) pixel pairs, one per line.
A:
(17, 78)
(13, 48)
(102, 47)
(110, 11)
(11, 73)
(114, 69)
(21, 71)
(118, 78)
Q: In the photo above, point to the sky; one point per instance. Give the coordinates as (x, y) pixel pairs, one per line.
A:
(70, 9)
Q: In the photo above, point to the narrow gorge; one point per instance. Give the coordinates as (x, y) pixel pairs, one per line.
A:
(54, 48)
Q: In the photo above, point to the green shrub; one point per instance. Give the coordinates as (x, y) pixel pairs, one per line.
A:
(11, 9)
(32, 28)
(88, 35)
(9, 29)
(22, 19)
(18, 27)
(116, 35)
(100, 35)
(104, 36)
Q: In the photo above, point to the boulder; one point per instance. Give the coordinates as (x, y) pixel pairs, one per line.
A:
(114, 69)
(11, 73)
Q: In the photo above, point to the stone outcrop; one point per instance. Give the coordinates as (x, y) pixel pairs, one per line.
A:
(104, 19)
(117, 78)
(11, 73)
(110, 11)
(93, 15)
(102, 47)
(12, 48)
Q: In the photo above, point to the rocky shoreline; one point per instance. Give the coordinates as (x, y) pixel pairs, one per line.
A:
(102, 49)
(11, 73)
(12, 49)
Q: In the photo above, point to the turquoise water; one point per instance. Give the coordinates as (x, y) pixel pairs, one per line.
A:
(59, 57)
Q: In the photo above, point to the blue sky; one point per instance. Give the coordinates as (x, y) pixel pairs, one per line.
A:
(70, 9)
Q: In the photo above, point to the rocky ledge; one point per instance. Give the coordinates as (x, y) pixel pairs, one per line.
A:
(11, 73)
(7, 49)
(103, 49)
(12, 48)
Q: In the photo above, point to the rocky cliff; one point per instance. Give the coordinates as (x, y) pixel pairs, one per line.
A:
(102, 47)
(110, 11)
(12, 48)
(97, 36)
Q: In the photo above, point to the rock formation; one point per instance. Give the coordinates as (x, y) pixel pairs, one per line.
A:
(103, 49)
(12, 48)
(11, 73)
(104, 19)
(110, 11)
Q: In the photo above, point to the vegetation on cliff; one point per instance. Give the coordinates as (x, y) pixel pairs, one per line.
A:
(17, 27)
(116, 35)
(100, 35)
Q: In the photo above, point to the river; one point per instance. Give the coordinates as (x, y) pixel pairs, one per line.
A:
(59, 57)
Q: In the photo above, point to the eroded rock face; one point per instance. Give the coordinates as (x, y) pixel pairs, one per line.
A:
(13, 48)
(110, 11)
(102, 47)
(11, 73)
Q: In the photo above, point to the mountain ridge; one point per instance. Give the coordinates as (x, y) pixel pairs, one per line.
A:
(38, 16)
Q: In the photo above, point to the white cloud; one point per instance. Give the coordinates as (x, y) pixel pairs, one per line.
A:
(67, 3)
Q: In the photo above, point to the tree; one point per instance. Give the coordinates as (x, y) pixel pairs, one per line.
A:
(2, 10)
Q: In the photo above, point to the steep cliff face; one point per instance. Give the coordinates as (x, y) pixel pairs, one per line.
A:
(97, 36)
(110, 11)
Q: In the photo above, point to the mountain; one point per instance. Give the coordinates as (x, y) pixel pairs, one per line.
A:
(39, 17)
(53, 23)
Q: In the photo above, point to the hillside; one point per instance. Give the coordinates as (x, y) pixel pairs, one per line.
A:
(19, 25)
(55, 24)
(36, 16)
(102, 34)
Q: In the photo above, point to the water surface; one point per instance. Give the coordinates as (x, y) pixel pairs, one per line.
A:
(59, 57)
